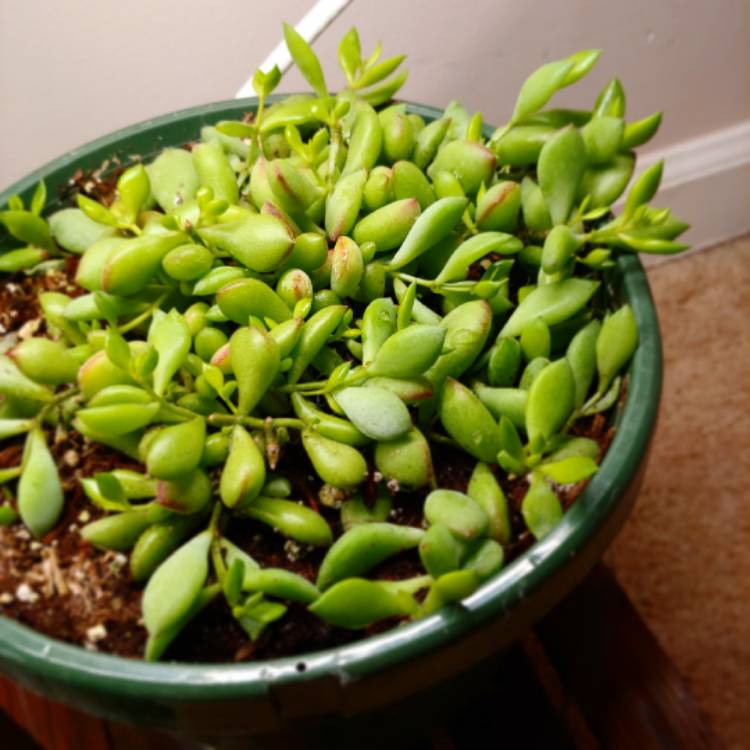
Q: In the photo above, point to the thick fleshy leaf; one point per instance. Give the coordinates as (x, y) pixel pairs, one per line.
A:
(406, 459)
(255, 359)
(375, 412)
(504, 402)
(241, 298)
(581, 355)
(174, 179)
(539, 87)
(615, 345)
(603, 138)
(364, 546)
(463, 516)
(440, 550)
(292, 519)
(75, 231)
(561, 165)
(541, 507)
(485, 490)
(409, 352)
(343, 204)
(553, 303)
(551, 400)
(175, 584)
(45, 361)
(485, 558)
(644, 188)
(336, 463)
(350, 54)
(244, 473)
(468, 421)
(356, 603)
(177, 449)
(433, 225)
(258, 241)
(117, 419)
(134, 262)
(307, 61)
(466, 330)
(380, 71)
(134, 188)
(569, 470)
(469, 252)
(472, 163)
(40, 493)
(170, 336)
(28, 227)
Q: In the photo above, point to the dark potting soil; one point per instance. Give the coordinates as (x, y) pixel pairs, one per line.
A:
(65, 588)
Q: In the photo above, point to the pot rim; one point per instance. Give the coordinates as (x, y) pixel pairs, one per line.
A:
(57, 662)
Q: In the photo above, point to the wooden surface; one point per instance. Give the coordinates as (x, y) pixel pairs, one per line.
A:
(591, 675)
(683, 557)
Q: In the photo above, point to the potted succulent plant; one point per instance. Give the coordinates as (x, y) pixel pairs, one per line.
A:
(303, 370)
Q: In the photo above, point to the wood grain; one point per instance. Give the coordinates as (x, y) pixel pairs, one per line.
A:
(684, 555)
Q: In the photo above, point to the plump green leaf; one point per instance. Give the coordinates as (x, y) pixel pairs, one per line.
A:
(384, 93)
(561, 165)
(350, 54)
(175, 585)
(306, 60)
(539, 87)
(644, 188)
(541, 508)
(569, 470)
(134, 188)
(356, 603)
(39, 199)
(582, 61)
(40, 493)
(28, 227)
(96, 211)
(551, 400)
(553, 303)
(376, 412)
(362, 548)
(170, 337)
(380, 71)
(616, 343)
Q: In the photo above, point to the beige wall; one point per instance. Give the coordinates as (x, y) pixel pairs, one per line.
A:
(71, 70)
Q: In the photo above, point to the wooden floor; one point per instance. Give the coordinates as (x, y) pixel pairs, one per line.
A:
(684, 555)
(600, 672)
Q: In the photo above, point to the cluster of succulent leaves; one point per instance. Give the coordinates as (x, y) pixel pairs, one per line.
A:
(354, 280)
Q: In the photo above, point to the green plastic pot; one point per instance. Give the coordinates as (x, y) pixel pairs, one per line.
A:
(404, 671)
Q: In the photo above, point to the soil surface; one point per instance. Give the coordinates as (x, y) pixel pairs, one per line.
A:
(65, 588)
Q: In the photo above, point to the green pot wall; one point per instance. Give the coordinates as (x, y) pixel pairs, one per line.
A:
(318, 691)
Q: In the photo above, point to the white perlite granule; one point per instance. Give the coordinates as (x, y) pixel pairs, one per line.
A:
(24, 593)
(96, 633)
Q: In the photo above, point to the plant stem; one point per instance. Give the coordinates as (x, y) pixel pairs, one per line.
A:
(255, 422)
(313, 385)
(213, 524)
(469, 223)
(145, 315)
(443, 439)
(500, 132)
(12, 472)
(413, 279)
(56, 401)
(217, 560)
(333, 152)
